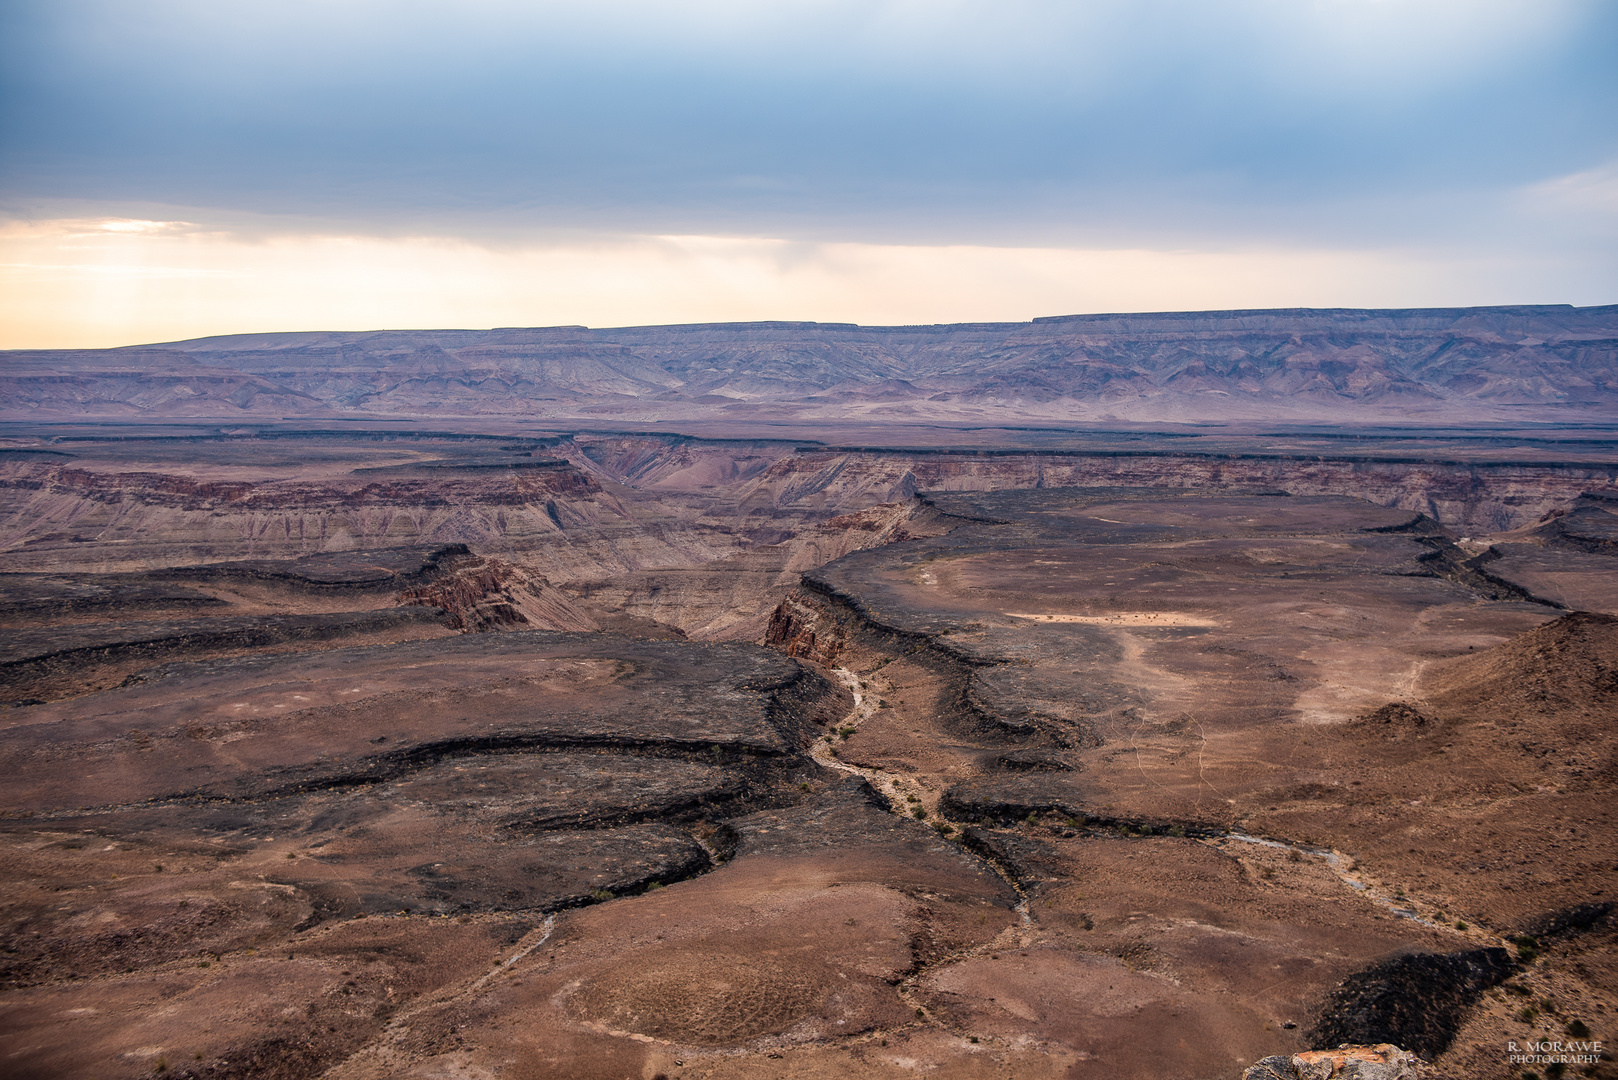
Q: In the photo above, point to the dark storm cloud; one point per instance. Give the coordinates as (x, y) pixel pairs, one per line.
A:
(924, 122)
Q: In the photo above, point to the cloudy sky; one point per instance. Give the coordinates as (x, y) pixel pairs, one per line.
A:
(172, 168)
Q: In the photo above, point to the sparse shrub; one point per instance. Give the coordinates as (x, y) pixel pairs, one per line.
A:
(1294, 855)
(1527, 949)
(157, 868)
(1459, 925)
(654, 886)
(920, 812)
(1177, 830)
(972, 1039)
(600, 894)
(944, 829)
(805, 786)
(1578, 1029)
(1528, 1014)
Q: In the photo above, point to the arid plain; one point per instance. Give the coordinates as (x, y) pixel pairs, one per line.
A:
(775, 740)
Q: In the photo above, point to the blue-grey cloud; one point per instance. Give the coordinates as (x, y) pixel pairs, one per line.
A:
(1153, 118)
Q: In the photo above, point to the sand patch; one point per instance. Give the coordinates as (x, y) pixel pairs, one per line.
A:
(1124, 618)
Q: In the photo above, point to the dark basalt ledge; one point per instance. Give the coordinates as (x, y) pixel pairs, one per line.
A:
(25, 597)
(1036, 761)
(33, 653)
(1417, 1002)
(375, 570)
(1443, 559)
(1591, 526)
(1007, 798)
(1030, 862)
(476, 464)
(1573, 921)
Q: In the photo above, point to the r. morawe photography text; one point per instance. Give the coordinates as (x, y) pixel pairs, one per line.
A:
(1556, 1053)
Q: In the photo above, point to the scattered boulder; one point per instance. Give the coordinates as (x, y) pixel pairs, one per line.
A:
(1381, 1062)
(1395, 720)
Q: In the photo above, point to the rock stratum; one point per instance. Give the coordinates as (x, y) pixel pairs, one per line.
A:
(1448, 365)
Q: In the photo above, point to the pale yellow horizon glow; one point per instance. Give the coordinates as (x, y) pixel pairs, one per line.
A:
(98, 283)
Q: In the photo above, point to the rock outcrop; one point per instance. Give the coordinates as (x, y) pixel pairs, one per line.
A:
(1383, 1061)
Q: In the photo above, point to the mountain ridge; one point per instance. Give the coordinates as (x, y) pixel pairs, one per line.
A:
(1485, 364)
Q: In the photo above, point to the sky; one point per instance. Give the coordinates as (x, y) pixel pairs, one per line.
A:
(176, 168)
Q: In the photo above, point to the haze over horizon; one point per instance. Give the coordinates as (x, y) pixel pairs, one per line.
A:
(183, 170)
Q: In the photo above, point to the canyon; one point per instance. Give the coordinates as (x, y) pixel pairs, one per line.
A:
(813, 701)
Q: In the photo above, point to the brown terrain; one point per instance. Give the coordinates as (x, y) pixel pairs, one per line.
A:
(783, 748)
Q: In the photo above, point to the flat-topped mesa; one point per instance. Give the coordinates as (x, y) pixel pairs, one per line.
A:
(1502, 364)
(374, 570)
